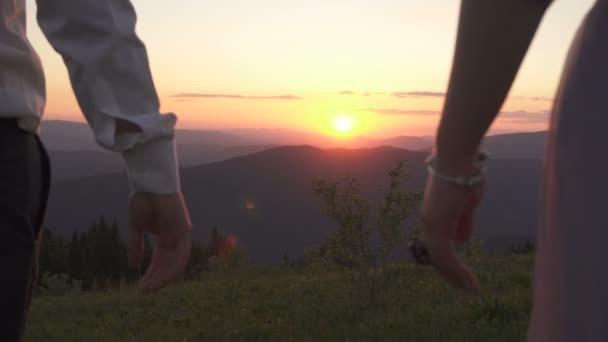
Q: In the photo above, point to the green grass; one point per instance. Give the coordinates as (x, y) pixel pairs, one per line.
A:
(407, 303)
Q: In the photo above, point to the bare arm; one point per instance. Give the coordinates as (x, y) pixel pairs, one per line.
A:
(493, 37)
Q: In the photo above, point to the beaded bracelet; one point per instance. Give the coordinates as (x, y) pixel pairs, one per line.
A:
(461, 181)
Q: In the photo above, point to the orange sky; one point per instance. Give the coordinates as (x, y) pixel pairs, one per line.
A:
(285, 64)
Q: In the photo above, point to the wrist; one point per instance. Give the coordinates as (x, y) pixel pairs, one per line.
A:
(454, 165)
(457, 168)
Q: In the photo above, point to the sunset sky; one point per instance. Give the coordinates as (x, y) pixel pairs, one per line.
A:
(379, 66)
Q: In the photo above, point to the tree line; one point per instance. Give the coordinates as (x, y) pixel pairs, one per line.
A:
(96, 258)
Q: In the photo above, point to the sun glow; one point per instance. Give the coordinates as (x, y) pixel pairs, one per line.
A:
(344, 124)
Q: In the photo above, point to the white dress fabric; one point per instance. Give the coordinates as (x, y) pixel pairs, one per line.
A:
(571, 271)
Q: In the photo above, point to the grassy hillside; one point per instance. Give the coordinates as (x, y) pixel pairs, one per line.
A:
(306, 303)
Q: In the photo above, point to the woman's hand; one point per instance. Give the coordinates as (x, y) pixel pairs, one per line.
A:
(447, 216)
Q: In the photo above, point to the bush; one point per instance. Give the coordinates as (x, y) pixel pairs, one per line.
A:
(349, 245)
(472, 249)
(368, 267)
(57, 284)
(525, 248)
(232, 261)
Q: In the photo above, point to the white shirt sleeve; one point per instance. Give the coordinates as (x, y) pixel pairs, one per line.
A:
(110, 75)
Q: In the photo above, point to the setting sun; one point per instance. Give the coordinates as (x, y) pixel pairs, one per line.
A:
(344, 124)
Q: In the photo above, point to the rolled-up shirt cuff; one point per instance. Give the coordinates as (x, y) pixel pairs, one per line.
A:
(152, 166)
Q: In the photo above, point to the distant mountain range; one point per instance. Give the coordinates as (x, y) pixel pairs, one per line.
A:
(75, 164)
(70, 136)
(245, 182)
(516, 145)
(527, 145)
(75, 153)
(266, 200)
(291, 137)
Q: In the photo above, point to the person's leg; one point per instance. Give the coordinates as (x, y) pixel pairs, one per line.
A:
(571, 278)
(23, 190)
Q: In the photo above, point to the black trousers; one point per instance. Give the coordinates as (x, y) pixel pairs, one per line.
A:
(24, 188)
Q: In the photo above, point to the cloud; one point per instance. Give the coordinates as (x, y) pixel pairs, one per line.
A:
(518, 116)
(534, 98)
(418, 94)
(230, 96)
(412, 112)
(522, 116)
(541, 98)
(365, 93)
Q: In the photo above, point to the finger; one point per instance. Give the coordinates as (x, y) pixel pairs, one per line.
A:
(167, 264)
(464, 230)
(466, 226)
(448, 264)
(165, 269)
(151, 264)
(139, 220)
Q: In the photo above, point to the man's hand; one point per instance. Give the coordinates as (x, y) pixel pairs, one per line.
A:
(447, 216)
(165, 217)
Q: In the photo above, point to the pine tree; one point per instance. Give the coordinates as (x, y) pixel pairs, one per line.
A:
(75, 257)
(87, 257)
(199, 256)
(215, 242)
(46, 253)
(118, 258)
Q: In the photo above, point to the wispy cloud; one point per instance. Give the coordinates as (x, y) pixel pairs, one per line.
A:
(518, 116)
(396, 94)
(231, 96)
(534, 98)
(394, 111)
(541, 98)
(522, 116)
(365, 93)
(418, 94)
